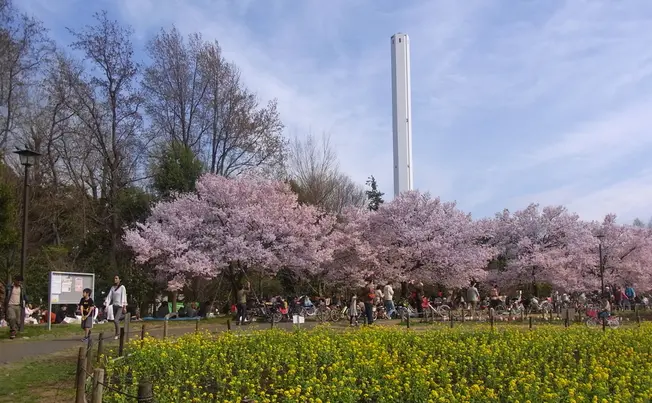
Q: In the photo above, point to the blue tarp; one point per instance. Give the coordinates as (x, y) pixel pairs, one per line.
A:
(151, 318)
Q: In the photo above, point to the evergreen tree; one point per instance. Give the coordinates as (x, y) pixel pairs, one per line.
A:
(176, 170)
(374, 196)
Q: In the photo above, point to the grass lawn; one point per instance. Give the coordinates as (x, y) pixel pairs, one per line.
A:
(40, 332)
(46, 379)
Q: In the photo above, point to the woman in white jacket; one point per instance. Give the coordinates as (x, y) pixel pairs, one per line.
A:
(116, 304)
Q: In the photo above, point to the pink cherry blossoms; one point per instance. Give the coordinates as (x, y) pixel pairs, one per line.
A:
(232, 226)
(420, 238)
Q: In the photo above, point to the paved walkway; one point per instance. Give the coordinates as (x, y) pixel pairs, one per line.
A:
(18, 349)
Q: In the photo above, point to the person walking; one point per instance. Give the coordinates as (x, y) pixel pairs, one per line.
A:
(388, 296)
(15, 301)
(242, 303)
(116, 304)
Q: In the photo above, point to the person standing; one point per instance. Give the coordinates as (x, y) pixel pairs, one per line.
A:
(15, 300)
(472, 297)
(388, 296)
(116, 304)
(242, 303)
(494, 297)
(353, 311)
(87, 309)
(369, 302)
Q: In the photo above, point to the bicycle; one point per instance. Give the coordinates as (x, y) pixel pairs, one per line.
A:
(595, 320)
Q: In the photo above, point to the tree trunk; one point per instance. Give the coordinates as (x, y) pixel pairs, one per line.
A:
(174, 301)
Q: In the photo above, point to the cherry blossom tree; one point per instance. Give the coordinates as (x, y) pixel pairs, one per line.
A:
(230, 227)
(540, 246)
(421, 238)
(626, 253)
(354, 257)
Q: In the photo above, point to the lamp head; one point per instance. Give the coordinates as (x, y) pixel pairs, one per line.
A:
(27, 157)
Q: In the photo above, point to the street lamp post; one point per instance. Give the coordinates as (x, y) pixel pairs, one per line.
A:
(600, 239)
(27, 159)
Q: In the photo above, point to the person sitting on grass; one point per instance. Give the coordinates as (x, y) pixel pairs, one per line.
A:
(30, 312)
(62, 313)
(605, 309)
(87, 308)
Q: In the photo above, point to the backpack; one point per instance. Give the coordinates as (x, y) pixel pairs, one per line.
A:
(629, 292)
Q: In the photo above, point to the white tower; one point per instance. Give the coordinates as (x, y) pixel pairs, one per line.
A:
(401, 113)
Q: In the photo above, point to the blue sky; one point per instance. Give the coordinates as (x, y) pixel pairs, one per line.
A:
(513, 101)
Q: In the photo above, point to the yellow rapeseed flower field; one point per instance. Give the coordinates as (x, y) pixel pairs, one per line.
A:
(394, 365)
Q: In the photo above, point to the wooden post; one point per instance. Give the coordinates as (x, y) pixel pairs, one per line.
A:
(567, 318)
(522, 315)
(228, 325)
(80, 396)
(604, 324)
(127, 326)
(142, 332)
(638, 315)
(197, 325)
(89, 356)
(530, 323)
(271, 322)
(407, 318)
(100, 346)
(121, 346)
(98, 385)
(145, 392)
(165, 328)
(463, 315)
(450, 316)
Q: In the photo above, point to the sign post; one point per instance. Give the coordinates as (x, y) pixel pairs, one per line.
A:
(67, 288)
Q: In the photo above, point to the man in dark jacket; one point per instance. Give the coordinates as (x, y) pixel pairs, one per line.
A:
(15, 301)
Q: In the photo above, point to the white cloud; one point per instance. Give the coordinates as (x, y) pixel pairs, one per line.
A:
(512, 101)
(629, 199)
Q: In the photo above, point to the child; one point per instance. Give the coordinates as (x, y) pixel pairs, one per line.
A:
(87, 308)
(353, 311)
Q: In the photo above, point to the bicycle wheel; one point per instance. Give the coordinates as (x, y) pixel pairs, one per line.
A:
(309, 310)
(323, 315)
(591, 322)
(445, 311)
(277, 317)
(336, 315)
(545, 307)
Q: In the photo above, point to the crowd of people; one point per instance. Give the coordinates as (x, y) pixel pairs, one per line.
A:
(387, 300)
(375, 300)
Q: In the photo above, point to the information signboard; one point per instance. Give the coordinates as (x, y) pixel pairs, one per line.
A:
(67, 288)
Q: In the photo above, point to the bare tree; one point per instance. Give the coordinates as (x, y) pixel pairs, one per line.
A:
(108, 107)
(314, 168)
(24, 45)
(175, 87)
(243, 135)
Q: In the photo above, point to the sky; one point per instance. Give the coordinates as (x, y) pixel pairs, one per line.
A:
(513, 102)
